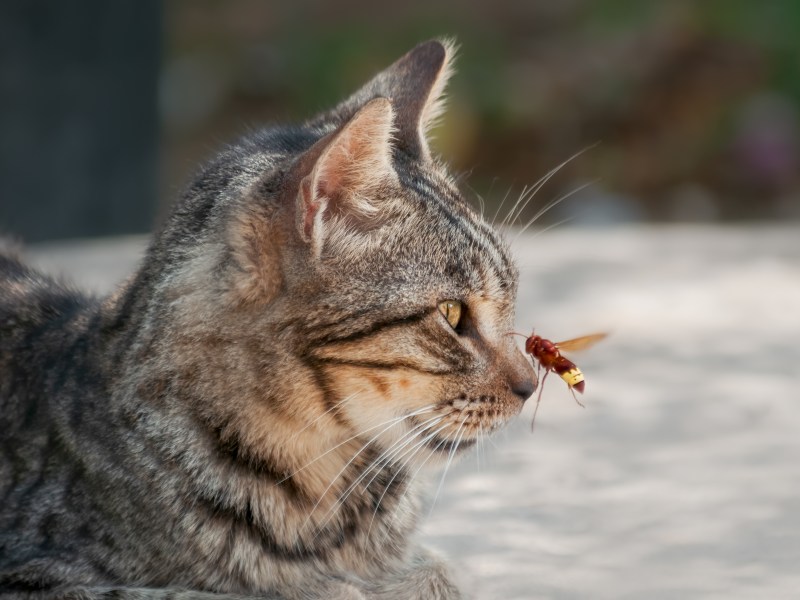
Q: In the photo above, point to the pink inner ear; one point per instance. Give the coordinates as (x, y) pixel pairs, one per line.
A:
(312, 204)
(327, 185)
(331, 179)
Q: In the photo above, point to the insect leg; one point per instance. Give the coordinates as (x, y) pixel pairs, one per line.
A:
(581, 404)
(539, 395)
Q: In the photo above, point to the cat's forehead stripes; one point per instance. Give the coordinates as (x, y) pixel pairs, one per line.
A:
(473, 233)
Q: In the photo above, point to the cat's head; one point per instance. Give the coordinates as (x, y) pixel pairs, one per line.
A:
(350, 252)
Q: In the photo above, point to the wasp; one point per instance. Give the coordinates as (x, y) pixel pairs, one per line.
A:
(547, 357)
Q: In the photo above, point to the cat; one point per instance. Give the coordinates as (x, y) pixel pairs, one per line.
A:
(321, 316)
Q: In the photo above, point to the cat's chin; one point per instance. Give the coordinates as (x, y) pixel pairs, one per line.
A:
(464, 432)
(464, 421)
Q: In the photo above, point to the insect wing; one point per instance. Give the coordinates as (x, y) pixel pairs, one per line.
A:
(580, 343)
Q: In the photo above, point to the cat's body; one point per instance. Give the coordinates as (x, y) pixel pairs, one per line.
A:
(246, 415)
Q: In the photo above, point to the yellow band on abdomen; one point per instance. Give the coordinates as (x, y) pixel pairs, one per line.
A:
(573, 377)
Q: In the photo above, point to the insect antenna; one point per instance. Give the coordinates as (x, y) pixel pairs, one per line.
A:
(519, 334)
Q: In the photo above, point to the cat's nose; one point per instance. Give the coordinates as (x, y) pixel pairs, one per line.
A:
(524, 388)
(520, 375)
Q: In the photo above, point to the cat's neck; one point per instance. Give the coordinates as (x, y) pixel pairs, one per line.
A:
(319, 484)
(263, 424)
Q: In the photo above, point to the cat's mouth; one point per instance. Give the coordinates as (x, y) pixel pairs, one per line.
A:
(465, 436)
(447, 446)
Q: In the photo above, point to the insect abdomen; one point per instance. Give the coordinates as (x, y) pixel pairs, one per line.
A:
(571, 374)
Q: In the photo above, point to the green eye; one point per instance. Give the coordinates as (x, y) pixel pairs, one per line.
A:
(451, 309)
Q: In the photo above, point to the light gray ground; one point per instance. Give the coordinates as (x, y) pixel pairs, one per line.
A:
(681, 478)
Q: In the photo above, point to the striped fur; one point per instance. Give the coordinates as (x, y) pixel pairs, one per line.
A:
(247, 415)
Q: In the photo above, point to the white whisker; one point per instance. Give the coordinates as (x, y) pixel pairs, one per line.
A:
(525, 199)
(481, 203)
(393, 421)
(383, 457)
(410, 454)
(394, 450)
(515, 213)
(424, 462)
(552, 226)
(456, 442)
(509, 218)
(502, 202)
(551, 205)
(331, 409)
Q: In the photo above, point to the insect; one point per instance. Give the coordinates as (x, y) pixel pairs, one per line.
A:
(546, 355)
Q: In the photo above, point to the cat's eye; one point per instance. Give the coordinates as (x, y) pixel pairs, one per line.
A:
(451, 309)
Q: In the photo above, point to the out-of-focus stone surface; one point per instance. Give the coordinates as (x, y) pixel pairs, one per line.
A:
(680, 478)
(96, 265)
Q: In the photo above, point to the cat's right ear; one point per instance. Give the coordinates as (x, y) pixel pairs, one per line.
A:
(343, 174)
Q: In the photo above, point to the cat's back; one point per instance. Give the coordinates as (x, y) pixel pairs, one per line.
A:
(39, 319)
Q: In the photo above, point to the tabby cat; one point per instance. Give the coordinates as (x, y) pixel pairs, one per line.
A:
(321, 316)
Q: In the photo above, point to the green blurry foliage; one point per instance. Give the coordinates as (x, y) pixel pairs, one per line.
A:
(694, 104)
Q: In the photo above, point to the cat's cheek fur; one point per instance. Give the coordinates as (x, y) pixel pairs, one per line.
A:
(381, 396)
(416, 417)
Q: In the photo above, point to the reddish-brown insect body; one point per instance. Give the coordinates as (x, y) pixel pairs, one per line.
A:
(547, 357)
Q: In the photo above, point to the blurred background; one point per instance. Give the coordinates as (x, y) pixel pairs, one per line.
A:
(687, 111)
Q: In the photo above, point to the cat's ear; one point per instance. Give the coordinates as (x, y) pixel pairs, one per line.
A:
(415, 84)
(333, 188)
(345, 172)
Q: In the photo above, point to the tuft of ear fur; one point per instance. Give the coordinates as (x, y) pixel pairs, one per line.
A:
(435, 103)
(353, 166)
(415, 84)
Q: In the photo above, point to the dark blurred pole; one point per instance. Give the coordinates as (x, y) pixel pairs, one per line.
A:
(78, 117)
